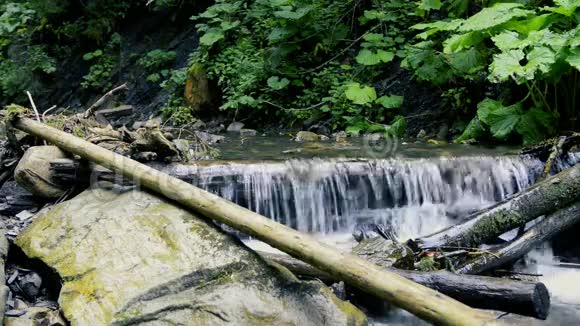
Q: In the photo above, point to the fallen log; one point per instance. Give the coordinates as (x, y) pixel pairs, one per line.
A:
(483, 292)
(417, 299)
(556, 150)
(548, 196)
(543, 231)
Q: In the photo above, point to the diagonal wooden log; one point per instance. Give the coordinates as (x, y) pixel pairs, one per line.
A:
(483, 292)
(548, 196)
(543, 231)
(417, 299)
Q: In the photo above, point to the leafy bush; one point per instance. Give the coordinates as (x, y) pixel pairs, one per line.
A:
(282, 59)
(509, 44)
(156, 62)
(102, 64)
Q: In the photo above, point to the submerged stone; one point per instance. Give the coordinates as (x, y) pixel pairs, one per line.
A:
(133, 258)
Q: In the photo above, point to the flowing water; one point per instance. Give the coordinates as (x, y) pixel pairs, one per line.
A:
(415, 194)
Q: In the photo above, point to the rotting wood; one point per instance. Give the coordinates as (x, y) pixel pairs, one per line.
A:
(546, 197)
(542, 231)
(417, 299)
(483, 292)
(91, 110)
(556, 150)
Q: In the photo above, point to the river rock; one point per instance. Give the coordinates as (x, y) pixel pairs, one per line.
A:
(308, 136)
(248, 132)
(235, 126)
(33, 171)
(133, 258)
(34, 316)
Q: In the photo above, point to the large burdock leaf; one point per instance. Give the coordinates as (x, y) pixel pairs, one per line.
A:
(505, 65)
(574, 58)
(508, 40)
(459, 42)
(534, 124)
(503, 121)
(360, 94)
(494, 16)
(565, 7)
(467, 61)
(485, 107)
(474, 130)
(428, 5)
(212, 36)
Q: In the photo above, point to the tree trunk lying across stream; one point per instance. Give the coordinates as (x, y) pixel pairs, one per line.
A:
(419, 300)
(543, 231)
(548, 196)
(524, 298)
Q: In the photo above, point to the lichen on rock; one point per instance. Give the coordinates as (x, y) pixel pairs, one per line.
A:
(134, 258)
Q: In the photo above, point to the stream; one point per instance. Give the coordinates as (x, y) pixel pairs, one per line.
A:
(327, 188)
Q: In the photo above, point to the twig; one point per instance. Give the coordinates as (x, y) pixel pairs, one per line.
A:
(91, 110)
(33, 106)
(556, 149)
(35, 110)
(45, 112)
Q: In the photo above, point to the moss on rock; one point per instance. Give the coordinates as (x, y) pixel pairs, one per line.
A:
(133, 258)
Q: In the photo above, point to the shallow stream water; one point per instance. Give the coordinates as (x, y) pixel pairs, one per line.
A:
(326, 188)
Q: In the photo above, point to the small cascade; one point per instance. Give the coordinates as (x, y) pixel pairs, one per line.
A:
(331, 196)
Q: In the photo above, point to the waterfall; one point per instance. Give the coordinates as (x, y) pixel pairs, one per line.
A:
(331, 196)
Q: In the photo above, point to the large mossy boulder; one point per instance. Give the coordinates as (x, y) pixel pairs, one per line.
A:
(132, 258)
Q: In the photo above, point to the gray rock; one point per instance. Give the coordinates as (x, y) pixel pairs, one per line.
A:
(443, 132)
(209, 138)
(235, 126)
(33, 171)
(198, 125)
(133, 258)
(248, 132)
(138, 124)
(30, 285)
(422, 135)
(306, 136)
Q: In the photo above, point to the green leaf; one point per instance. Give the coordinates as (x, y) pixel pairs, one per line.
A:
(534, 125)
(229, 25)
(398, 126)
(293, 15)
(494, 16)
(539, 59)
(528, 25)
(504, 120)
(437, 26)
(353, 130)
(574, 58)
(459, 42)
(385, 56)
(211, 36)
(508, 41)
(467, 61)
(390, 102)
(485, 107)
(360, 95)
(565, 7)
(277, 84)
(505, 65)
(373, 37)
(429, 5)
(367, 57)
(474, 130)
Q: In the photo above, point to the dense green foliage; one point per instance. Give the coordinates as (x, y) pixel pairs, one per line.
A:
(506, 71)
(319, 59)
